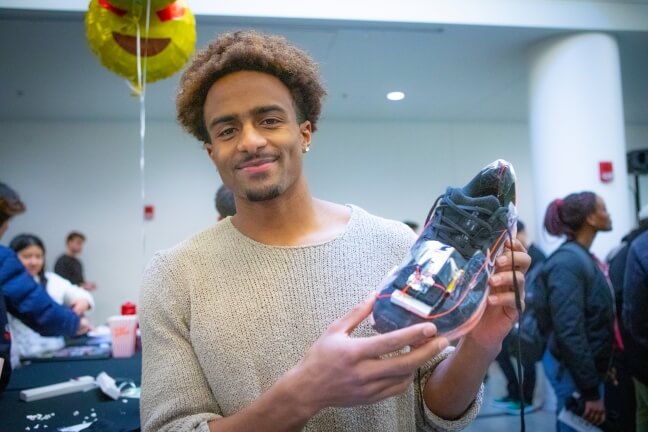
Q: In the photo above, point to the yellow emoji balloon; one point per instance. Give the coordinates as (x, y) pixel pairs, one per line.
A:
(112, 28)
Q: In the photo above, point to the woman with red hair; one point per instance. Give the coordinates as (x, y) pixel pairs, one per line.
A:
(581, 305)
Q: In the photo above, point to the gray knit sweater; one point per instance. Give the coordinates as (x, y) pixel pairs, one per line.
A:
(223, 317)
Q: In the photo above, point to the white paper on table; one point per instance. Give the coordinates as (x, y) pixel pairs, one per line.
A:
(76, 428)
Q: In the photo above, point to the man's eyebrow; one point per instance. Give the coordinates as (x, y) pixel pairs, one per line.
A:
(267, 109)
(222, 119)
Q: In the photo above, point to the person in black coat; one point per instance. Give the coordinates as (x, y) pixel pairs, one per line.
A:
(581, 305)
(629, 359)
(635, 303)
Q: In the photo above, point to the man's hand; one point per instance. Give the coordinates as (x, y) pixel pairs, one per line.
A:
(339, 371)
(80, 306)
(501, 313)
(462, 373)
(342, 371)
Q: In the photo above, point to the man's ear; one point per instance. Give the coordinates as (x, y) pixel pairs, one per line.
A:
(306, 130)
(209, 148)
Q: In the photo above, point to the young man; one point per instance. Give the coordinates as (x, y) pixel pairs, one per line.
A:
(69, 266)
(259, 322)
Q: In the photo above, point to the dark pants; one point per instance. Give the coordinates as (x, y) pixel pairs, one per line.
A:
(620, 403)
(510, 372)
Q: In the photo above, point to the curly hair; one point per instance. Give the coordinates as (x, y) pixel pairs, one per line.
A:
(249, 51)
(566, 216)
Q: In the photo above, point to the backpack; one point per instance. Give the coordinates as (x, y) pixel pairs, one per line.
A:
(534, 326)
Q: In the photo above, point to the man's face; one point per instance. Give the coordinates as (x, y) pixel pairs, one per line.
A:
(256, 142)
(75, 245)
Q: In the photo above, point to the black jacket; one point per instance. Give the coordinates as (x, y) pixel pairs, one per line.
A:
(635, 302)
(582, 316)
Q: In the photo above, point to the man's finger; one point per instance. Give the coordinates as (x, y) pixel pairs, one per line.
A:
(396, 340)
(504, 262)
(355, 316)
(409, 362)
(505, 280)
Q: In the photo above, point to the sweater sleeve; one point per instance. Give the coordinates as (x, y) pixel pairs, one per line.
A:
(426, 420)
(28, 301)
(566, 290)
(175, 393)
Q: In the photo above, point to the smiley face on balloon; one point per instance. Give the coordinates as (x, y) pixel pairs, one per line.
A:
(112, 31)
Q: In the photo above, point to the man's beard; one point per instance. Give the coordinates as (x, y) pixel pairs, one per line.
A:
(266, 194)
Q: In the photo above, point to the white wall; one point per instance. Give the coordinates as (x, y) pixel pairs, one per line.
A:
(86, 176)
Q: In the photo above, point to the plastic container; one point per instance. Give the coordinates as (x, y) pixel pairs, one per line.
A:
(123, 333)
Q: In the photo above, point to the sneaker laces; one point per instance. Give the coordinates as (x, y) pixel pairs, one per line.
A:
(464, 240)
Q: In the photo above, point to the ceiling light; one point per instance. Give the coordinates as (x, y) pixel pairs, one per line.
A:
(395, 95)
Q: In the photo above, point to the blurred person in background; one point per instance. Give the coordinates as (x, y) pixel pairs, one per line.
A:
(31, 252)
(23, 297)
(511, 401)
(635, 304)
(581, 305)
(629, 359)
(224, 201)
(69, 266)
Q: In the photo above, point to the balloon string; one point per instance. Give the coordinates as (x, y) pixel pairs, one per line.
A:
(141, 83)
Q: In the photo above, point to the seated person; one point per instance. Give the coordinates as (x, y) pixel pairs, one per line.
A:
(23, 297)
(31, 252)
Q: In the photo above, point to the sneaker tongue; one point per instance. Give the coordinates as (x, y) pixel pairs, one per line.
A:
(489, 202)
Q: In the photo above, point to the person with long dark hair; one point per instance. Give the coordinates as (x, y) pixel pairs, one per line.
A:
(31, 253)
(581, 305)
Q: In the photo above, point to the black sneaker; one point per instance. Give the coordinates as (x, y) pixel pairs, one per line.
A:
(444, 277)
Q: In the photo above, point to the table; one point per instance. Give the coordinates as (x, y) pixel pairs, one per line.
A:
(74, 408)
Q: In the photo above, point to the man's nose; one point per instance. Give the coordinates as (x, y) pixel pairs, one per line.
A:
(251, 139)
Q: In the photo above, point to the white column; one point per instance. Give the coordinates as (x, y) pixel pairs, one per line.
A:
(576, 121)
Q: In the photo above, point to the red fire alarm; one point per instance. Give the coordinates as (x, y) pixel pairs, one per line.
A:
(148, 212)
(606, 173)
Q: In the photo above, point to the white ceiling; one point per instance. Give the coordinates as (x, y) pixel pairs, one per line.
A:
(449, 72)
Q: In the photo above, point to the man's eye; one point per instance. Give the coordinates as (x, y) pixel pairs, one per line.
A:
(270, 121)
(226, 132)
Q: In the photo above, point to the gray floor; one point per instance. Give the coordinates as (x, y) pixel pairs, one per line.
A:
(491, 419)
